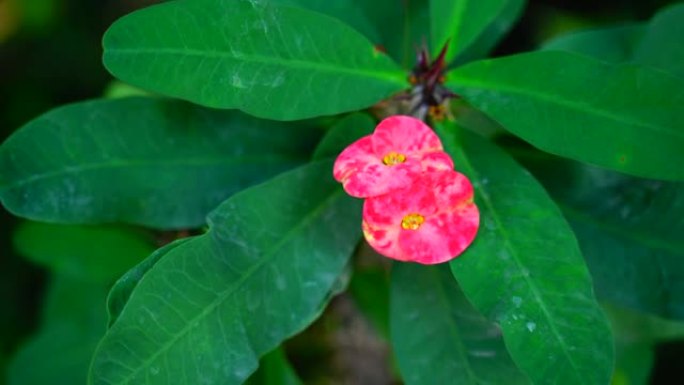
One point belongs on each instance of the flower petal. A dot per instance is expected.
(444, 199)
(405, 134)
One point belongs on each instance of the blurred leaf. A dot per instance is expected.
(403, 25)
(438, 337)
(626, 118)
(60, 352)
(153, 162)
(630, 231)
(89, 253)
(219, 301)
(611, 44)
(493, 32)
(462, 22)
(525, 272)
(369, 287)
(117, 90)
(274, 369)
(347, 11)
(122, 289)
(343, 133)
(272, 61)
(662, 45)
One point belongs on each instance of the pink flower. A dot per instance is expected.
(400, 149)
(429, 221)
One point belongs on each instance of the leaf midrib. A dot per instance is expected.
(268, 255)
(132, 163)
(514, 254)
(396, 77)
(581, 108)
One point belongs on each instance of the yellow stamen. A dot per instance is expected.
(412, 221)
(393, 158)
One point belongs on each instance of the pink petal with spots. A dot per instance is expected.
(444, 199)
(360, 167)
(363, 174)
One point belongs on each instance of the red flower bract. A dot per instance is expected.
(430, 221)
(400, 149)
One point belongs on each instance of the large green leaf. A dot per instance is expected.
(213, 305)
(622, 117)
(342, 134)
(273, 61)
(462, 22)
(611, 44)
(438, 337)
(122, 289)
(662, 45)
(153, 162)
(73, 322)
(525, 271)
(630, 231)
(89, 253)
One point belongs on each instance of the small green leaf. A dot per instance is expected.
(153, 162)
(274, 369)
(525, 272)
(463, 22)
(342, 134)
(73, 322)
(662, 46)
(438, 337)
(630, 231)
(624, 117)
(89, 253)
(611, 44)
(122, 289)
(213, 305)
(269, 60)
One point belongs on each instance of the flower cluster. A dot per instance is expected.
(417, 207)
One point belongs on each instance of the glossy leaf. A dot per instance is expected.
(121, 291)
(612, 44)
(60, 352)
(525, 272)
(213, 305)
(152, 162)
(272, 61)
(89, 253)
(462, 22)
(274, 370)
(662, 46)
(630, 231)
(438, 337)
(342, 134)
(369, 287)
(622, 117)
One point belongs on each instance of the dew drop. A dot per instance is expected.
(531, 326)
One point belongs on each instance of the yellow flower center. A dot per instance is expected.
(393, 158)
(412, 221)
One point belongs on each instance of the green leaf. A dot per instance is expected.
(630, 231)
(662, 46)
(494, 32)
(342, 134)
(274, 369)
(60, 352)
(612, 44)
(369, 287)
(463, 22)
(438, 337)
(121, 291)
(89, 253)
(153, 162)
(347, 11)
(272, 61)
(213, 305)
(525, 272)
(624, 117)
